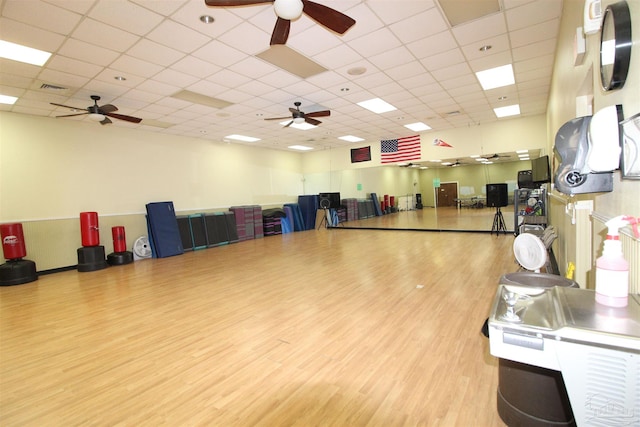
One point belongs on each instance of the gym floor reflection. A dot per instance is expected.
(438, 219)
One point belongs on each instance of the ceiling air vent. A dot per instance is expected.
(47, 86)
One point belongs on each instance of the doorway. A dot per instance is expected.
(446, 194)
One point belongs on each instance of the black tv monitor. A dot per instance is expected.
(540, 172)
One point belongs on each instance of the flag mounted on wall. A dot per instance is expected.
(400, 150)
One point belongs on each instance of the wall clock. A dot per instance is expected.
(615, 45)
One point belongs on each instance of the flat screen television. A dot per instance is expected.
(540, 172)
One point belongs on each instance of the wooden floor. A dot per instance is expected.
(329, 327)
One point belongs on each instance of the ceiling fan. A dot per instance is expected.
(298, 116)
(99, 113)
(288, 10)
(495, 157)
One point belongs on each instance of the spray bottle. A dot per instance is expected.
(612, 270)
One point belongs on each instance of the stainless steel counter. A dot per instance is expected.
(597, 348)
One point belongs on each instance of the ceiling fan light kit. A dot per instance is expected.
(98, 113)
(288, 9)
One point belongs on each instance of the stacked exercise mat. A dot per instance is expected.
(248, 221)
(271, 221)
(351, 205)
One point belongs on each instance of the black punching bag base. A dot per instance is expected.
(120, 258)
(17, 272)
(91, 258)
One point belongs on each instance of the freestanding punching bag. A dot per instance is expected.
(16, 270)
(120, 254)
(91, 254)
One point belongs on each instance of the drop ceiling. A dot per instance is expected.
(403, 51)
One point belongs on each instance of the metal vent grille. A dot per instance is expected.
(609, 389)
(47, 86)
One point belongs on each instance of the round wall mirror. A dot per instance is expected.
(615, 45)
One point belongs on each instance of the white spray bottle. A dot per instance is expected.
(612, 270)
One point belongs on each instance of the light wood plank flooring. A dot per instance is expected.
(324, 327)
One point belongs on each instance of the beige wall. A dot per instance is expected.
(55, 169)
(571, 85)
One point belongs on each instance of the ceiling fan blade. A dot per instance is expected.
(330, 18)
(106, 121)
(280, 32)
(72, 115)
(312, 121)
(67, 106)
(288, 124)
(324, 113)
(278, 118)
(123, 117)
(224, 3)
(108, 108)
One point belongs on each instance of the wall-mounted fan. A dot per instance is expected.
(99, 113)
(288, 10)
(298, 116)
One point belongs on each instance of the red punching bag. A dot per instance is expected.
(119, 239)
(89, 229)
(12, 241)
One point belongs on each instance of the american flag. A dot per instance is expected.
(400, 150)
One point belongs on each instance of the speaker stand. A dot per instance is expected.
(324, 219)
(498, 223)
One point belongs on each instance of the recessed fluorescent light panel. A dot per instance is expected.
(21, 53)
(6, 99)
(417, 127)
(509, 110)
(350, 138)
(496, 77)
(242, 138)
(301, 126)
(300, 147)
(377, 105)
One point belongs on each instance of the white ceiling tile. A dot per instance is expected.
(17, 32)
(73, 66)
(128, 65)
(433, 45)
(443, 60)
(392, 58)
(491, 61)
(163, 7)
(533, 13)
(497, 44)
(107, 36)
(41, 15)
(153, 52)
(405, 71)
(126, 15)
(219, 54)
(195, 67)
(252, 67)
(109, 75)
(534, 33)
(16, 68)
(533, 50)
(390, 11)
(175, 78)
(377, 42)
(60, 78)
(177, 36)
(83, 51)
(419, 26)
(484, 28)
(158, 87)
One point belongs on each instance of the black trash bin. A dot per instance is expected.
(531, 396)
